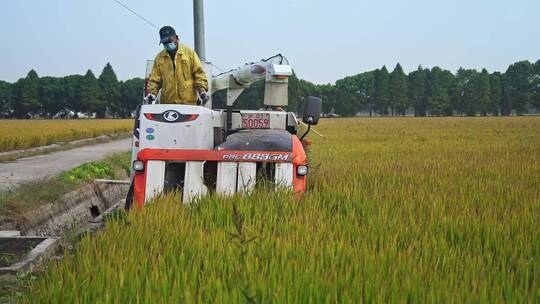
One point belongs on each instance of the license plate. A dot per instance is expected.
(256, 120)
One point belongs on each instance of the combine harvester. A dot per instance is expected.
(197, 149)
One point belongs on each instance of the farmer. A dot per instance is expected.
(177, 72)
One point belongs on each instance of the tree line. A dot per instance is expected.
(430, 92)
(423, 92)
(101, 97)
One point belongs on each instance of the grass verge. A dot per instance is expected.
(4, 157)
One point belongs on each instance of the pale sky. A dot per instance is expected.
(324, 40)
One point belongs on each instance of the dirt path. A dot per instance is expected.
(41, 166)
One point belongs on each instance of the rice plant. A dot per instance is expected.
(21, 134)
(399, 210)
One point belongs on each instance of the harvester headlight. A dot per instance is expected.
(138, 165)
(302, 170)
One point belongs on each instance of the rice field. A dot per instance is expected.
(443, 210)
(21, 134)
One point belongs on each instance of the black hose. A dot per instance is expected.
(308, 129)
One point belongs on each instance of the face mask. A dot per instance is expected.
(171, 46)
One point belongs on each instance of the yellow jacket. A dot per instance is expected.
(180, 84)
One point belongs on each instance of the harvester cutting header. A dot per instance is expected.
(196, 149)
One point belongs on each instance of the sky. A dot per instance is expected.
(323, 40)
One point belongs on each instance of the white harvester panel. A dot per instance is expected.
(193, 181)
(170, 126)
(284, 175)
(226, 178)
(155, 178)
(247, 173)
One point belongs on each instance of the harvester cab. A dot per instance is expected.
(197, 149)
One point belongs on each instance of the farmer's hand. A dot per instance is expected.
(204, 96)
(150, 98)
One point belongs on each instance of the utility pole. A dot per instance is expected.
(198, 25)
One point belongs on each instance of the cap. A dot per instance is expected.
(165, 33)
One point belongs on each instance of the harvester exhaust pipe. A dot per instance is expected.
(198, 24)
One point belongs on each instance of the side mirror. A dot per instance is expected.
(312, 110)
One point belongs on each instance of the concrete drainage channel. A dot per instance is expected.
(32, 239)
(20, 254)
